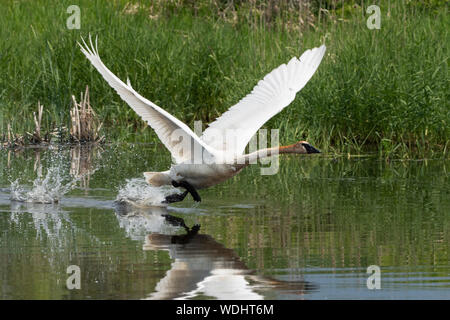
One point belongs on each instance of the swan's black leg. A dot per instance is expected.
(189, 188)
(177, 197)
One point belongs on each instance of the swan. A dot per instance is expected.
(201, 162)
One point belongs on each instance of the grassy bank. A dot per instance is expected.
(383, 90)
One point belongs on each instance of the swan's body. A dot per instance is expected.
(202, 162)
(202, 176)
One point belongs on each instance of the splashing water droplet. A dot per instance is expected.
(139, 193)
(48, 189)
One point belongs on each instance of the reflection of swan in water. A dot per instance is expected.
(202, 267)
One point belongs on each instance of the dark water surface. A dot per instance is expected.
(309, 232)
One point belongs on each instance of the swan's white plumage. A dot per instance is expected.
(271, 95)
(161, 121)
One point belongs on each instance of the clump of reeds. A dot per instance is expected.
(14, 140)
(36, 137)
(85, 125)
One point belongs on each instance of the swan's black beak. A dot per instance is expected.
(310, 149)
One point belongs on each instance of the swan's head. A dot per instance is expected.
(304, 147)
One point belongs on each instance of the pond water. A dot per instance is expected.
(308, 232)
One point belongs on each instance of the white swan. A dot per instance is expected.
(201, 162)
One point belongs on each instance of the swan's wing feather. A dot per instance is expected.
(169, 129)
(271, 95)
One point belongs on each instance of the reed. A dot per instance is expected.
(37, 136)
(85, 123)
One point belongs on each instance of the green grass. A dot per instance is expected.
(383, 90)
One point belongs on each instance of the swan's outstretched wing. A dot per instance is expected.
(271, 95)
(174, 134)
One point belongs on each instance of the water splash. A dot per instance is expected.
(48, 189)
(139, 193)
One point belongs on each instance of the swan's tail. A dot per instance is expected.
(157, 179)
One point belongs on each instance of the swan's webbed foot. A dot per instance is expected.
(189, 188)
(177, 197)
(190, 232)
(176, 221)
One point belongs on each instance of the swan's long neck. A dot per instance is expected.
(253, 157)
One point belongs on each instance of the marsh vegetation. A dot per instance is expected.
(383, 91)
